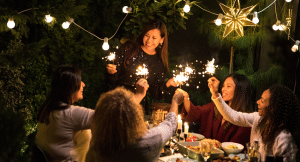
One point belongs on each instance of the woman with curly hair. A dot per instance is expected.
(119, 132)
(275, 126)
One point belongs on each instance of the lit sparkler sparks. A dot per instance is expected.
(143, 71)
(181, 78)
(111, 56)
(210, 67)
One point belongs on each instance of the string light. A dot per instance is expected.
(66, 24)
(105, 45)
(187, 7)
(255, 19)
(48, 18)
(127, 9)
(288, 0)
(296, 46)
(11, 24)
(218, 21)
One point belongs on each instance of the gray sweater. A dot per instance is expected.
(147, 149)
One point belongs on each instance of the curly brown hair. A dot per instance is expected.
(282, 113)
(118, 122)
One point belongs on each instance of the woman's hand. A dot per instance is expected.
(172, 82)
(141, 89)
(186, 100)
(213, 85)
(111, 68)
(178, 97)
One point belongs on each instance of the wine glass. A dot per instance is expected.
(205, 149)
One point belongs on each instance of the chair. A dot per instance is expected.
(38, 154)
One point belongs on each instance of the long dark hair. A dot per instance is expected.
(282, 113)
(65, 82)
(163, 50)
(242, 95)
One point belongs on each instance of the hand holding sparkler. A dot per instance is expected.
(143, 71)
(213, 85)
(172, 82)
(186, 101)
(111, 68)
(141, 89)
(181, 78)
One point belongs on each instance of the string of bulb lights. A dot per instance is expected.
(277, 26)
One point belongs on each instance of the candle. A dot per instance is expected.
(186, 128)
(179, 122)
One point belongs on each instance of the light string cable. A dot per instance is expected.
(205, 9)
(97, 36)
(27, 10)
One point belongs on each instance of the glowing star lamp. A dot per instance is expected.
(255, 19)
(296, 46)
(48, 18)
(187, 8)
(11, 24)
(105, 45)
(127, 9)
(66, 24)
(218, 22)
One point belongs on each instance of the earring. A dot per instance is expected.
(160, 44)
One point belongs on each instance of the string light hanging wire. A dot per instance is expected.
(11, 23)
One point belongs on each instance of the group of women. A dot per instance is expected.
(116, 131)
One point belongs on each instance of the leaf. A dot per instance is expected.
(170, 12)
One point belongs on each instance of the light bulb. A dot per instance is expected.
(187, 8)
(105, 45)
(66, 25)
(275, 27)
(48, 18)
(255, 19)
(219, 20)
(11, 24)
(281, 27)
(126, 9)
(288, 0)
(296, 46)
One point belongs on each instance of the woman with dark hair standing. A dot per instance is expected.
(63, 131)
(150, 49)
(275, 126)
(236, 91)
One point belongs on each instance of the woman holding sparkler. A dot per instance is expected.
(236, 92)
(150, 50)
(275, 126)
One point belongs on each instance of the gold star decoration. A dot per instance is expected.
(235, 18)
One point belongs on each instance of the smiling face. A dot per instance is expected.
(151, 40)
(228, 90)
(78, 95)
(263, 102)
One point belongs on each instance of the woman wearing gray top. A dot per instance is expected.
(119, 132)
(63, 131)
(275, 126)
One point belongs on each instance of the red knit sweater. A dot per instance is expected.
(211, 127)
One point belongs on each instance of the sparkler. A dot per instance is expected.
(181, 78)
(111, 56)
(142, 71)
(210, 67)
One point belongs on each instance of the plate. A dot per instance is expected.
(199, 136)
(183, 159)
(239, 148)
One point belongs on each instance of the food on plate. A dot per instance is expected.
(197, 149)
(191, 139)
(213, 142)
(225, 159)
(231, 146)
(180, 160)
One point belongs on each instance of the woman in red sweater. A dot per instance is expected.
(236, 91)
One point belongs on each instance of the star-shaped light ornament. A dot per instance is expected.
(235, 18)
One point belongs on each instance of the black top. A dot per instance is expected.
(128, 58)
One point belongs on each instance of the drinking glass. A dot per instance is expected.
(205, 149)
